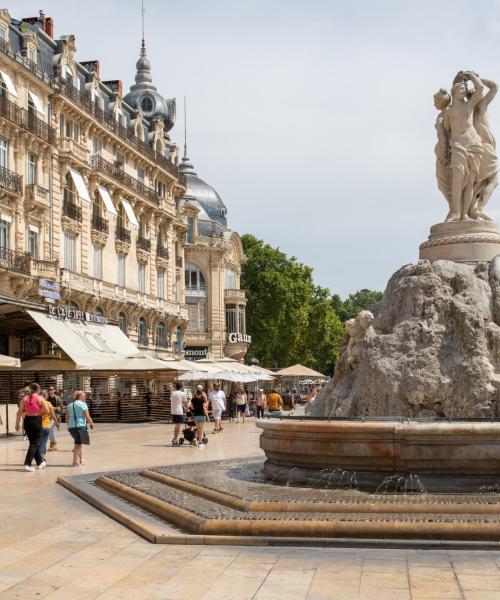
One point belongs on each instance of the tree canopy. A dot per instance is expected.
(290, 318)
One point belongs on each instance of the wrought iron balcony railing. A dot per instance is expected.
(72, 210)
(98, 163)
(100, 224)
(19, 262)
(122, 234)
(84, 100)
(144, 244)
(27, 120)
(11, 181)
(162, 252)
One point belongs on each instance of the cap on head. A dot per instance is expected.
(199, 387)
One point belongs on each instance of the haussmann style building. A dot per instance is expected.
(107, 246)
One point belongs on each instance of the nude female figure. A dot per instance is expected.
(465, 145)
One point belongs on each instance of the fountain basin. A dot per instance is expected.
(446, 456)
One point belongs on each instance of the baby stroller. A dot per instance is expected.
(189, 432)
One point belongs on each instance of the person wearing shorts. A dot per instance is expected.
(218, 400)
(241, 403)
(77, 417)
(199, 406)
(178, 402)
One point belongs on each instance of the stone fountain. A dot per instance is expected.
(428, 355)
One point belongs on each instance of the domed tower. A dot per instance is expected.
(144, 96)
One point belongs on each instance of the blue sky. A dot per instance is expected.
(313, 120)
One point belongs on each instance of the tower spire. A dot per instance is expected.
(143, 10)
(186, 166)
(185, 129)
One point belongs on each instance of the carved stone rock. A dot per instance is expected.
(433, 348)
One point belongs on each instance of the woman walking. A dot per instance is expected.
(261, 404)
(57, 405)
(199, 406)
(49, 418)
(241, 403)
(78, 416)
(30, 412)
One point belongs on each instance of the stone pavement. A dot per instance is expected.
(55, 546)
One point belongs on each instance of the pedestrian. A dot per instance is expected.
(274, 402)
(219, 404)
(30, 412)
(288, 400)
(241, 403)
(199, 406)
(24, 391)
(178, 403)
(77, 417)
(49, 417)
(261, 404)
(57, 405)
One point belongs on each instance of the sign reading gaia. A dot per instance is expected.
(236, 338)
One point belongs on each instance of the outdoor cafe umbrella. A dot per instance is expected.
(299, 371)
(135, 362)
(218, 376)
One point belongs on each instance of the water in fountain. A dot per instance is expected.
(401, 484)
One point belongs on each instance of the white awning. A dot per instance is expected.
(37, 102)
(9, 361)
(11, 88)
(130, 212)
(85, 342)
(81, 188)
(106, 198)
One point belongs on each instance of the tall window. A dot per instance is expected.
(31, 169)
(96, 146)
(120, 160)
(33, 241)
(32, 55)
(177, 290)
(190, 230)
(121, 258)
(140, 175)
(121, 221)
(160, 283)
(3, 34)
(160, 189)
(231, 318)
(197, 317)
(97, 261)
(142, 277)
(4, 153)
(161, 335)
(143, 332)
(70, 129)
(241, 320)
(69, 251)
(195, 282)
(122, 322)
(231, 280)
(4, 233)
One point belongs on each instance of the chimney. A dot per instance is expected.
(46, 23)
(92, 66)
(115, 85)
(48, 26)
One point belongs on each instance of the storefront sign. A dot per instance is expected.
(237, 338)
(48, 284)
(195, 352)
(49, 294)
(67, 312)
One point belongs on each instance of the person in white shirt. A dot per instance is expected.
(218, 400)
(178, 403)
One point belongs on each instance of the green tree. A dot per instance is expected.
(350, 307)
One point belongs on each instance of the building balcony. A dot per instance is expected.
(144, 244)
(122, 234)
(27, 120)
(84, 100)
(100, 224)
(18, 262)
(235, 296)
(11, 182)
(37, 195)
(68, 146)
(47, 269)
(116, 172)
(72, 211)
(162, 252)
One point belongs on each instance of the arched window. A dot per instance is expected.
(178, 340)
(70, 197)
(122, 322)
(143, 332)
(99, 312)
(71, 304)
(161, 335)
(97, 205)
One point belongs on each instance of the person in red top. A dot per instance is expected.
(31, 410)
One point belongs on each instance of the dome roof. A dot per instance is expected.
(143, 95)
(201, 193)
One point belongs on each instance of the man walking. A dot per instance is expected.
(218, 400)
(178, 403)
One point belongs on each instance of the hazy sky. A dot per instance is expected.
(312, 119)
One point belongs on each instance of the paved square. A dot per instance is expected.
(53, 545)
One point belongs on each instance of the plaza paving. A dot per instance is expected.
(53, 545)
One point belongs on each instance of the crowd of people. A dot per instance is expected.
(41, 413)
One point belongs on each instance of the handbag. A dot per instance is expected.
(84, 434)
(247, 410)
